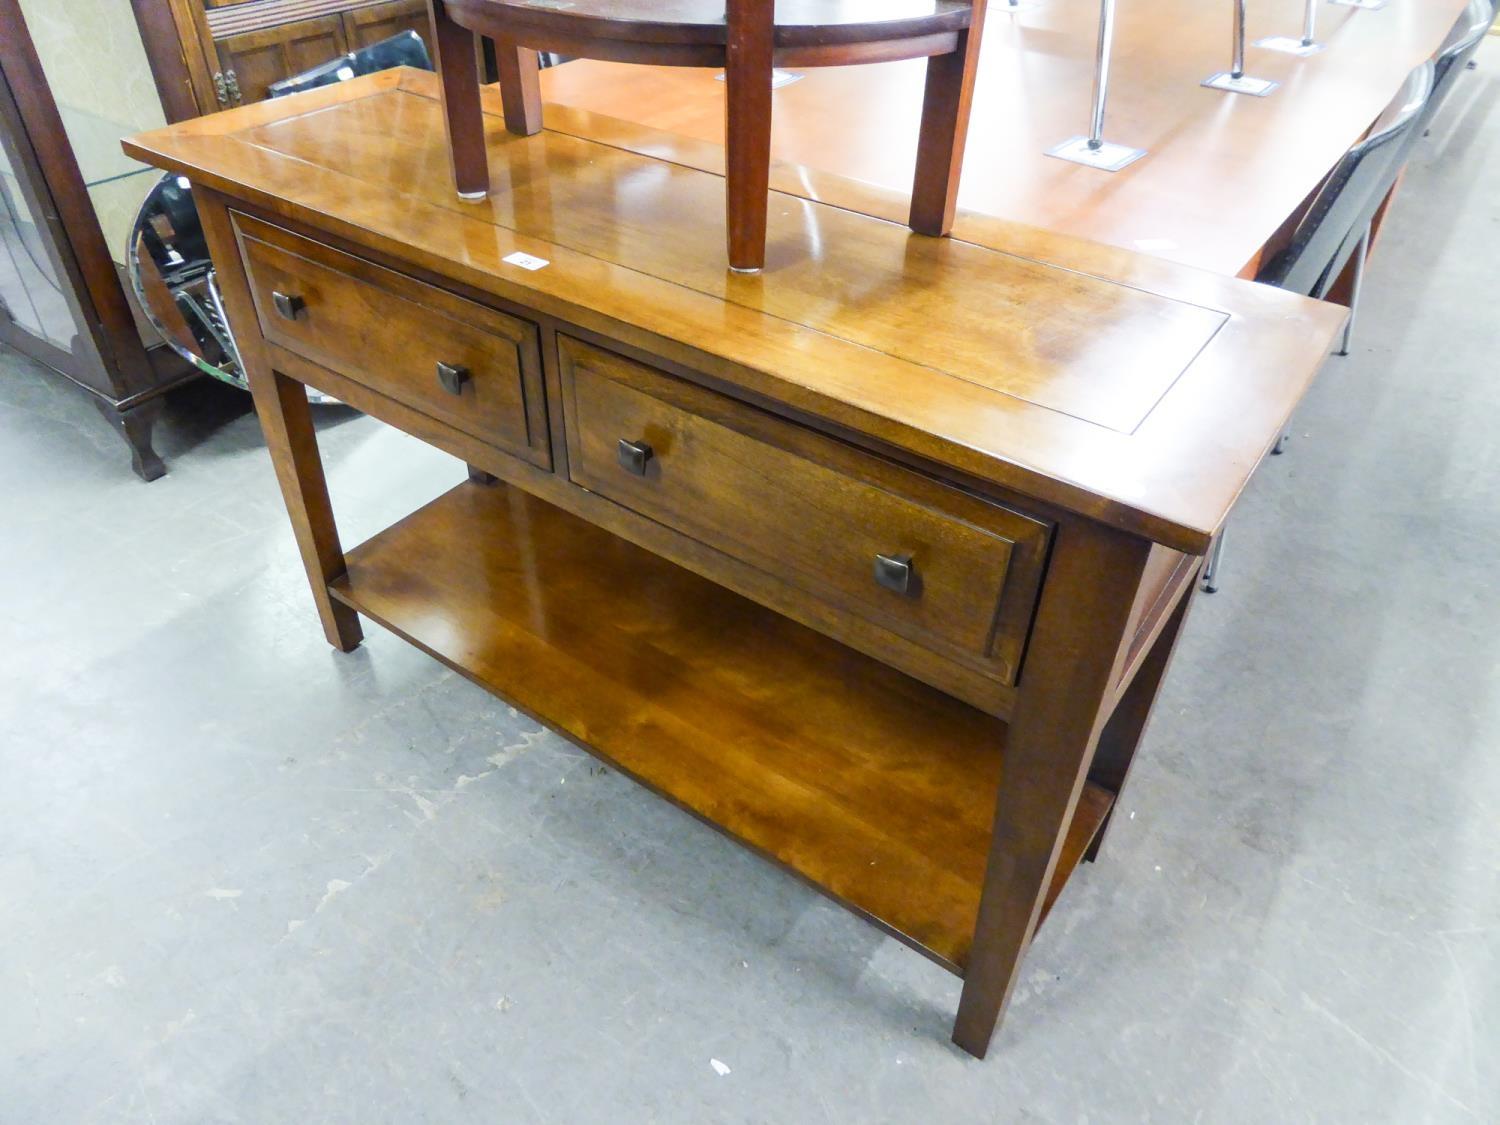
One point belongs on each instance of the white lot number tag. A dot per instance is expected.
(526, 261)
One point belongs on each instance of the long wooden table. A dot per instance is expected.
(1223, 174)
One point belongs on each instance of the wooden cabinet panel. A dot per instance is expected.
(363, 26)
(937, 566)
(259, 58)
(232, 50)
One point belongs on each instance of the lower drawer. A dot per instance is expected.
(926, 562)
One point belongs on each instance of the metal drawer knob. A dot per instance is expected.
(289, 306)
(453, 377)
(896, 573)
(634, 456)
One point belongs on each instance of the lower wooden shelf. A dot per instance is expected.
(873, 787)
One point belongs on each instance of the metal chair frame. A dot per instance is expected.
(1338, 222)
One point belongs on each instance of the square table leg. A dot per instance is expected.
(1067, 688)
(458, 70)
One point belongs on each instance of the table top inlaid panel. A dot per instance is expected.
(1092, 349)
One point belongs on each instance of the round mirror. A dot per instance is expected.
(176, 286)
(173, 279)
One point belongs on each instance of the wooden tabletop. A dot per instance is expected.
(1136, 392)
(1224, 171)
(704, 21)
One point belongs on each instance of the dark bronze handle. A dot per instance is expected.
(289, 306)
(896, 573)
(634, 456)
(453, 377)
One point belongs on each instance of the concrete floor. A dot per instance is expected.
(247, 879)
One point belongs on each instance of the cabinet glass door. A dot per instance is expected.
(38, 313)
(98, 75)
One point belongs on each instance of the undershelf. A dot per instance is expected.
(873, 787)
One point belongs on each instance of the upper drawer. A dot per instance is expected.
(462, 363)
(942, 568)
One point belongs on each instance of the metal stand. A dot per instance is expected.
(1235, 80)
(1210, 575)
(1354, 290)
(1093, 149)
(1307, 45)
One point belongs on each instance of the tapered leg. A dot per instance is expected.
(286, 421)
(1078, 642)
(945, 128)
(747, 129)
(1122, 734)
(134, 425)
(459, 71)
(520, 91)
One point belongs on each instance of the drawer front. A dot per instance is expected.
(460, 362)
(953, 573)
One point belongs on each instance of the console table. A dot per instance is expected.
(875, 560)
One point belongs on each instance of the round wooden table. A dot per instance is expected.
(696, 32)
(747, 38)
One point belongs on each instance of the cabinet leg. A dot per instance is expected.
(945, 129)
(520, 90)
(459, 73)
(1065, 690)
(747, 130)
(135, 425)
(479, 476)
(1123, 732)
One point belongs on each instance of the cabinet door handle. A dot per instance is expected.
(896, 573)
(453, 377)
(634, 456)
(289, 306)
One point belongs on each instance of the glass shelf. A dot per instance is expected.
(96, 145)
